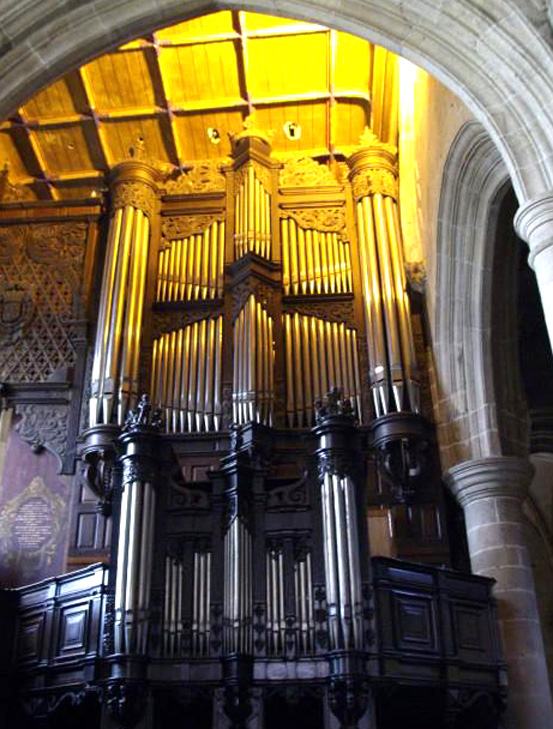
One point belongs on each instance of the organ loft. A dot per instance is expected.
(256, 531)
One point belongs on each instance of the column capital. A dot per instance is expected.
(534, 224)
(134, 182)
(500, 476)
(373, 167)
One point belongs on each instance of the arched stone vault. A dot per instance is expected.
(491, 53)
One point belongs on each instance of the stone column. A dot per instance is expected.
(534, 224)
(491, 492)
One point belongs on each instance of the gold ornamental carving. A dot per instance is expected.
(305, 172)
(184, 226)
(250, 129)
(374, 182)
(137, 194)
(263, 174)
(325, 220)
(204, 177)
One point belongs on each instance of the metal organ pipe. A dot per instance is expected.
(186, 376)
(319, 355)
(117, 346)
(252, 216)
(391, 352)
(237, 589)
(253, 383)
(192, 268)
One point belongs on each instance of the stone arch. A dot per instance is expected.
(476, 415)
(493, 57)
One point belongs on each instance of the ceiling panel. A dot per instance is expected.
(200, 72)
(170, 87)
(122, 81)
(193, 136)
(285, 65)
(121, 135)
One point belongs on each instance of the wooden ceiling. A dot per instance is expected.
(170, 88)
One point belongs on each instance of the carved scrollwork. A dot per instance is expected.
(405, 462)
(374, 181)
(326, 220)
(262, 173)
(44, 426)
(137, 194)
(339, 311)
(263, 292)
(203, 177)
(334, 463)
(285, 496)
(348, 699)
(97, 472)
(305, 172)
(169, 321)
(126, 702)
(183, 226)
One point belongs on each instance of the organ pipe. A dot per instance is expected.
(192, 268)
(252, 216)
(391, 353)
(115, 366)
(237, 589)
(186, 377)
(254, 357)
(303, 588)
(319, 355)
(276, 620)
(136, 534)
(314, 262)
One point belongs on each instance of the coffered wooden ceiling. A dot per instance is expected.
(173, 86)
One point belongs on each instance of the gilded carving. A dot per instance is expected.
(184, 226)
(204, 177)
(169, 321)
(30, 527)
(11, 192)
(262, 173)
(263, 292)
(43, 426)
(374, 181)
(250, 129)
(305, 172)
(41, 268)
(326, 220)
(338, 312)
(138, 194)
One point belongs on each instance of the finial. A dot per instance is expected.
(143, 416)
(333, 406)
(250, 129)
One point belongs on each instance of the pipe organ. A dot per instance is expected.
(314, 262)
(186, 376)
(192, 268)
(269, 319)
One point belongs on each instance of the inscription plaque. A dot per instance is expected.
(30, 526)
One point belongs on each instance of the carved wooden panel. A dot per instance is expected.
(41, 268)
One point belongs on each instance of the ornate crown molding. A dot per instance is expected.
(325, 220)
(203, 177)
(183, 226)
(305, 172)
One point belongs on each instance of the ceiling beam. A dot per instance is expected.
(103, 146)
(33, 153)
(158, 78)
(238, 19)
